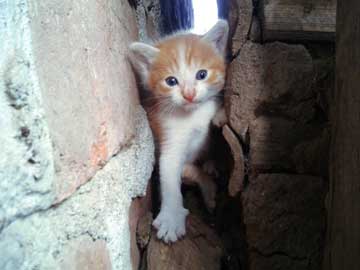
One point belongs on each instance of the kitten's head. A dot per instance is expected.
(186, 69)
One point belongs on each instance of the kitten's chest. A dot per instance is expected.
(193, 128)
(196, 122)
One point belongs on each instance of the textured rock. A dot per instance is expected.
(139, 210)
(236, 181)
(243, 23)
(148, 18)
(86, 253)
(313, 156)
(69, 113)
(284, 219)
(26, 160)
(68, 97)
(273, 141)
(270, 93)
(200, 250)
(274, 92)
(98, 211)
(264, 76)
(88, 88)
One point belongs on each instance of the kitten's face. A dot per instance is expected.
(185, 69)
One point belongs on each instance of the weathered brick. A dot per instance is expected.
(84, 253)
(88, 88)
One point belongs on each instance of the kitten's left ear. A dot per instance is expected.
(142, 57)
(218, 36)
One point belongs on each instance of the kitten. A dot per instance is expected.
(184, 74)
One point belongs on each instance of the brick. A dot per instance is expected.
(88, 88)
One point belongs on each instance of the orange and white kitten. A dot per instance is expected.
(184, 74)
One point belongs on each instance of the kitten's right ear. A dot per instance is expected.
(218, 36)
(143, 56)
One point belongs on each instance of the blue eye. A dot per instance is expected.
(171, 81)
(201, 74)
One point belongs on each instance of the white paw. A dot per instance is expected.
(170, 223)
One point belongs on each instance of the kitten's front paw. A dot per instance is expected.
(170, 223)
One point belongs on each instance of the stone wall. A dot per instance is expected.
(277, 100)
(76, 145)
(77, 148)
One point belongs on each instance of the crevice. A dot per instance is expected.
(277, 253)
(255, 32)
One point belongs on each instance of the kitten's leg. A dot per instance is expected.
(210, 168)
(220, 118)
(171, 220)
(206, 184)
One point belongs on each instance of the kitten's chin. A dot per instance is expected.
(190, 106)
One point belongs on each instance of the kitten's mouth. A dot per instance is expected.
(188, 106)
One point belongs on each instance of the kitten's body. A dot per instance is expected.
(180, 112)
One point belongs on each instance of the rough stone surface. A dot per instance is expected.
(26, 161)
(97, 213)
(236, 181)
(271, 94)
(243, 23)
(284, 219)
(139, 209)
(277, 102)
(200, 249)
(148, 20)
(80, 53)
(69, 113)
(265, 75)
(86, 253)
(313, 156)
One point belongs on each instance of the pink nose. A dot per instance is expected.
(189, 96)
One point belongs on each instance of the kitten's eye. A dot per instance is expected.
(201, 74)
(171, 81)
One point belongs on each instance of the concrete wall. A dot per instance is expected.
(76, 146)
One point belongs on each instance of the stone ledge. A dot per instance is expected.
(98, 210)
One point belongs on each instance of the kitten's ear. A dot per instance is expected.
(218, 36)
(142, 57)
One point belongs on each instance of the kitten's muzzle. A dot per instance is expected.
(189, 95)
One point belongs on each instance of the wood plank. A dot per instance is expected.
(298, 19)
(344, 195)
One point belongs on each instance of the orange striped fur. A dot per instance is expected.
(183, 74)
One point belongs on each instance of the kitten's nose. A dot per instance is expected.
(189, 96)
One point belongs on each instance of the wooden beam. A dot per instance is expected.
(343, 250)
(298, 19)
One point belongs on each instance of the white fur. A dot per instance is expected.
(144, 56)
(218, 35)
(185, 135)
(184, 128)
